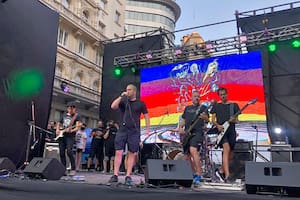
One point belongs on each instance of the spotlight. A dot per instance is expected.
(149, 56)
(65, 87)
(277, 130)
(178, 52)
(296, 43)
(272, 47)
(118, 71)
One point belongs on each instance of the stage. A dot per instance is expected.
(93, 185)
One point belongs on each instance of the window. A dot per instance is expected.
(117, 17)
(98, 58)
(78, 78)
(102, 4)
(66, 3)
(62, 37)
(85, 15)
(96, 85)
(81, 48)
(58, 71)
(58, 115)
(101, 27)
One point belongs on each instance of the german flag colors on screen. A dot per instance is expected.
(167, 89)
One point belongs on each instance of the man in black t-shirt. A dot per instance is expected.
(129, 133)
(109, 145)
(222, 112)
(97, 147)
(189, 116)
(70, 123)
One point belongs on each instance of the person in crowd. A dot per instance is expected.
(97, 147)
(80, 139)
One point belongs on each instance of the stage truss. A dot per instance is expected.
(231, 45)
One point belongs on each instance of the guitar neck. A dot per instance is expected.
(241, 110)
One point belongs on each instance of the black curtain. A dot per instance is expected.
(27, 46)
(112, 86)
(281, 75)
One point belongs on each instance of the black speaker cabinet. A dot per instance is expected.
(45, 168)
(237, 164)
(168, 172)
(7, 164)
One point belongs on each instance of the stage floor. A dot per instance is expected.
(93, 185)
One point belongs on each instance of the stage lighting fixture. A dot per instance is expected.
(277, 130)
(64, 86)
(272, 47)
(149, 56)
(296, 43)
(243, 38)
(178, 52)
(118, 71)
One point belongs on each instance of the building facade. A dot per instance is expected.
(148, 15)
(83, 25)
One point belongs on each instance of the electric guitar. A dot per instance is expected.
(189, 134)
(227, 123)
(62, 131)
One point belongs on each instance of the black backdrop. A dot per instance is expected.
(281, 75)
(112, 86)
(27, 41)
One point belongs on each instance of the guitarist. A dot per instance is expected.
(190, 150)
(221, 113)
(70, 122)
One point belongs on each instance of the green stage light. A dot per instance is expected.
(118, 71)
(133, 69)
(296, 43)
(272, 47)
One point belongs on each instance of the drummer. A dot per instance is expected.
(191, 149)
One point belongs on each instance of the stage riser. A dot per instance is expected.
(282, 174)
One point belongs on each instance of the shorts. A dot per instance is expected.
(131, 137)
(230, 138)
(195, 141)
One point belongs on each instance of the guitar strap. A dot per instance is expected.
(231, 111)
(73, 120)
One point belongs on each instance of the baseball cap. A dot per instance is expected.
(71, 104)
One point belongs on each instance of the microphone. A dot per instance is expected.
(33, 145)
(254, 126)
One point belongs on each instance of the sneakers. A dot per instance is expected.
(196, 180)
(128, 180)
(72, 173)
(221, 176)
(113, 179)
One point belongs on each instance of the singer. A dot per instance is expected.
(129, 133)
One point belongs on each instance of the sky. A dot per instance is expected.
(202, 12)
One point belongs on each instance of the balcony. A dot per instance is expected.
(77, 92)
(76, 20)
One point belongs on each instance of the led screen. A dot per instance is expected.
(167, 89)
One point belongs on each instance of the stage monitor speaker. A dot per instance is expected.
(7, 164)
(45, 168)
(237, 164)
(168, 172)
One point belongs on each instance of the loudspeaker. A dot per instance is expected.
(166, 172)
(45, 168)
(237, 164)
(6, 163)
(279, 153)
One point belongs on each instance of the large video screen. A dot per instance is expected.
(167, 90)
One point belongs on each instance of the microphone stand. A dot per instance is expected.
(256, 148)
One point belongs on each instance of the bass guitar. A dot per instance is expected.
(189, 134)
(227, 123)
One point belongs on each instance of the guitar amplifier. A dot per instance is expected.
(51, 150)
(243, 146)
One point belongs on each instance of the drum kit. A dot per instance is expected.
(171, 147)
